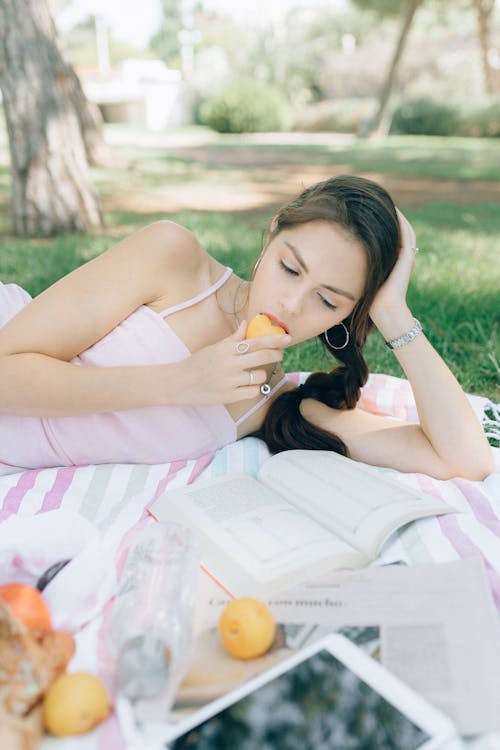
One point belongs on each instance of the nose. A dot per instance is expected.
(291, 303)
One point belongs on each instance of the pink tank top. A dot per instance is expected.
(149, 435)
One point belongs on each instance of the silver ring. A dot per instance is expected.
(250, 375)
(242, 347)
(265, 389)
(416, 250)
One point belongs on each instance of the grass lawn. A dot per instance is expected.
(226, 188)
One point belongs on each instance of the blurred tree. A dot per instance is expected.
(484, 12)
(291, 54)
(51, 126)
(166, 41)
(305, 44)
(407, 9)
(80, 45)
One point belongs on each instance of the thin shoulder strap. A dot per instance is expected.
(199, 297)
(261, 402)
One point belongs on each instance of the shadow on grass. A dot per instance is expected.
(442, 158)
(482, 218)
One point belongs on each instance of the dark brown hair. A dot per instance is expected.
(366, 211)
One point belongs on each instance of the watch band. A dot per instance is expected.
(405, 338)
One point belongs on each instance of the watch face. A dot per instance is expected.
(320, 703)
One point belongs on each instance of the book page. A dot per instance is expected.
(247, 530)
(358, 503)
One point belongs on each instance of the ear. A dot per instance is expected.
(274, 224)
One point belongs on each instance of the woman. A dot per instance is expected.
(140, 355)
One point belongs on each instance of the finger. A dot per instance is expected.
(406, 233)
(403, 221)
(255, 377)
(408, 236)
(240, 332)
(259, 359)
(276, 341)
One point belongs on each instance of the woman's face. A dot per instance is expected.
(309, 279)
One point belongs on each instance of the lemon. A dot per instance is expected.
(246, 628)
(75, 703)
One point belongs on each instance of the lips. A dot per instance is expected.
(276, 321)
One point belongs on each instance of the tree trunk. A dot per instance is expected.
(484, 10)
(51, 187)
(89, 119)
(380, 118)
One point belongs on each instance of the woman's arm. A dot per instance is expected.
(36, 346)
(391, 443)
(36, 377)
(448, 425)
(449, 439)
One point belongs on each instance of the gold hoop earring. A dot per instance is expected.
(346, 338)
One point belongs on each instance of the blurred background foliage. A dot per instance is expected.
(320, 67)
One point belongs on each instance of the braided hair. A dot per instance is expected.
(366, 211)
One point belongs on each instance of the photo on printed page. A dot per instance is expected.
(213, 672)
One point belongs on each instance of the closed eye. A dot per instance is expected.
(327, 304)
(293, 272)
(288, 269)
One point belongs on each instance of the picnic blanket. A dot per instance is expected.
(107, 505)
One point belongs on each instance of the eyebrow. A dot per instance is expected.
(301, 262)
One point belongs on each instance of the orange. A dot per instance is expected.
(27, 605)
(75, 703)
(262, 326)
(246, 628)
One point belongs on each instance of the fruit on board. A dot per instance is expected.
(260, 325)
(50, 573)
(27, 605)
(246, 628)
(75, 703)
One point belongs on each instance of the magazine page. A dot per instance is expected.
(439, 630)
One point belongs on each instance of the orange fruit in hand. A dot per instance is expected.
(75, 703)
(262, 326)
(27, 605)
(246, 628)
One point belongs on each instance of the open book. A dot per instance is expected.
(307, 513)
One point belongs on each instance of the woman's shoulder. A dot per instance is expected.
(166, 250)
(174, 243)
(181, 264)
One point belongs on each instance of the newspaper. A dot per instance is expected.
(437, 625)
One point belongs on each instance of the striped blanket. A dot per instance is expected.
(115, 498)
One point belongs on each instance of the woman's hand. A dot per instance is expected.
(229, 371)
(392, 294)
